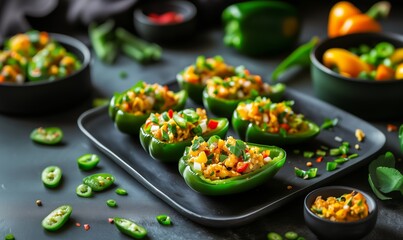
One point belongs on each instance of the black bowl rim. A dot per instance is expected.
(190, 7)
(316, 192)
(323, 68)
(64, 40)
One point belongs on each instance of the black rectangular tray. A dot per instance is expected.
(165, 181)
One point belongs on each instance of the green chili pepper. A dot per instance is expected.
(57, 218)
(99, 181)
(225, 107)
(195, 179)
(84, 190)
(340, 160)
(51, 176)
(88, 161)
(111, 203)
(331, 166)
(121, 191)
(164, 219)
(130, 228)
(172, 152)
(299, 57)
(274, 236)
(246, 26)
(102, 41)
(47, 136)
(130, 123)
(310, 173)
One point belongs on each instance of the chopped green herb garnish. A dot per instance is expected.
(330, 166)
(308, 154)
(329, 123)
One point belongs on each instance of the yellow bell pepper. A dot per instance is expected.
(347, 63)
(399, 72)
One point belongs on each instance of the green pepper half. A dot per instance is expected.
(225, 107)
(129, 123)
(130, 228)
(194, 90)
(57, 218)
(250, 132)
(199, 183)
(172, 152)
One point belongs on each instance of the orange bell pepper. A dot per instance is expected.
(384, 73)
(348, 64)
(345, 18)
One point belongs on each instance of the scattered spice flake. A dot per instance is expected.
(319, 159)
(391, 128)
(309, 164)
(289, 187)
(110, 220)
(359, 134)
(38, 203)
(338, 139)
(78, 224)
(357, 146)
(86, 227)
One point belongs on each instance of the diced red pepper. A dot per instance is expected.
(319, 159)
(170, 113)
(285, 126)
(166, 18)
(212, 124)
(391, 128)
(241, 167)
(86, 227)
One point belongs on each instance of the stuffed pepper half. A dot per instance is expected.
(193, 78)
(222, 95)
(221, 167)
(166, 135)
(130, 109)
(262, 121)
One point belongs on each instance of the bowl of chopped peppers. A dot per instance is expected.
(361, 73)
(340, 212)
(43, 72)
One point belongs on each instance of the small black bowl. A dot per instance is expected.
(329, 230)
(34, 98)
(169, 32)
(374, 100)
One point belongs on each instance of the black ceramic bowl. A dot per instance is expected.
(326, 229)
(169, 32)
(375, 100)
(41, 97)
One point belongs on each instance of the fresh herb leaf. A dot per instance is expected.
(198, 130)
(389, 179)
(387, 160)
(223, 157)
(375, 190)
(329, 123)
(165, 135)
(196, 143)
(283, 132)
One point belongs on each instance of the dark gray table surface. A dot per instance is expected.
(21, 160)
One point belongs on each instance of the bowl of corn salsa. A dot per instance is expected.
(43, 72)
(340, 212)
(361, 73)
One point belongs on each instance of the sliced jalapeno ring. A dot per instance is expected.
(47, 136)
(121, 191)
(99, 181)
(57, 218)
(51, 176)
(84, 190)
(164, 219)
(88, 161)
(111, 203)
(130, 228)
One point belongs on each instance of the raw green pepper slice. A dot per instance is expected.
(51, 176)
(164, 219)
(130, 123)
(246, 26)
(195, 179)
(130, 228)
(47, 136)
(84, 190)
(99, 181)
(57, 218)
(225, 107)
(88, 161)
(172, 152)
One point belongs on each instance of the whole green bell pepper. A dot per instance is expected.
(198, 182)
(225, 107)
(130, 123)
(251, 132)
(172, 151)
(261, 27)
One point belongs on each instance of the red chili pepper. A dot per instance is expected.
(165, 18)
(319, 159)
(285, 126)
(212, 124)
(241, 167)
(170, 113)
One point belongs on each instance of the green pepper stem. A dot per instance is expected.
(299, 57)
(379, 10)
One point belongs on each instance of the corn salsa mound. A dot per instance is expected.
(147, 98)
(29, 43)
(12, 67)
(346, 208)
(220, 159)
(272, 117)
(205, 68)
(243, 85)
(172, 127)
